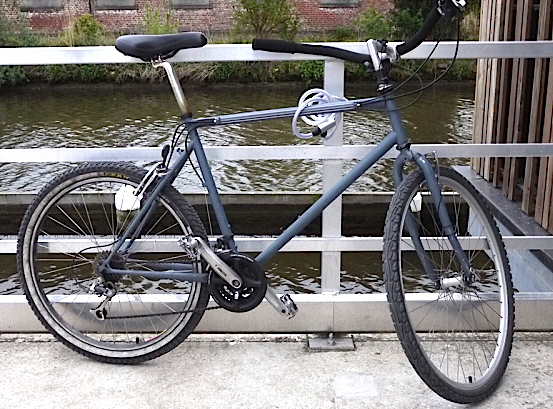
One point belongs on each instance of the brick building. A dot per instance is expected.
(202, 15)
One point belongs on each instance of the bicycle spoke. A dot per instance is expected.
(458, 322)
(104, 313)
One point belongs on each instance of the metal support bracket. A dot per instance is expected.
(329, 343)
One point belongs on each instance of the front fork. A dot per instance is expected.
(449, 230)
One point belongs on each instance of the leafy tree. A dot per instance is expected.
(267, 18)
(373, 24)
(408, 16)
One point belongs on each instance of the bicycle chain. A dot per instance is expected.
(160, 314)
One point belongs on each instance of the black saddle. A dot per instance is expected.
(155, 47)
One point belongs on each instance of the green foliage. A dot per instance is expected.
(463, 70)
(344, 33)
(12, 75)
(266, 18)
(84, 31)
(88, 30)
(14, 32)
(262, 19)
(408, 16)
(406, 22)
(312, 71)
(157, 21)
(76, 73)
(372, 24)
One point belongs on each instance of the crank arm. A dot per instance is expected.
(204, 251)
(283, 305)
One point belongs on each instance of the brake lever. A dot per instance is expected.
(446, 10)
(460, 4)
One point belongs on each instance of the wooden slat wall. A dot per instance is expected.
(516, 130)
(514, 104)
(538, 113)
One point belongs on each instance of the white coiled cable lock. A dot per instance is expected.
(322, 124)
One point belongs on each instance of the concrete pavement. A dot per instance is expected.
(250, 372)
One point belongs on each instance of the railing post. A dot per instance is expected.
(332, 172)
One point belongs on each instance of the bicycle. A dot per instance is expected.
(117, 265)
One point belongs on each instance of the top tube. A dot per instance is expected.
(376, 104)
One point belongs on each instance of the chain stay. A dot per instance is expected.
(121, 317)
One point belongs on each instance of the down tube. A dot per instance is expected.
(316, 209)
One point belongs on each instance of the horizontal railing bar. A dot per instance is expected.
(318, 313)
(217, 153)
(244, 52)
(8, 244)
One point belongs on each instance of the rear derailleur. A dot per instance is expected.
(105, 289)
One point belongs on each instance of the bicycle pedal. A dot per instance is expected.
(290, 305)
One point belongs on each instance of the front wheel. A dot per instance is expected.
(456, 333)
(68, 232)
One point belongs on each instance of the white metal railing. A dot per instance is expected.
(244, 52)
(332, 153)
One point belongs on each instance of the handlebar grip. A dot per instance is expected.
(277, 46)
(431, 20)
(283, 46)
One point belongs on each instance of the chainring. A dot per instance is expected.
(252, 291)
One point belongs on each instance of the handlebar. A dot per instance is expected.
(443, 8)
(431, 20)
(291, 47)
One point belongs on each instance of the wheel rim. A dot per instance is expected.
(75, 221)
(463, 331)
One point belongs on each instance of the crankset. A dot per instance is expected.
(252, 291)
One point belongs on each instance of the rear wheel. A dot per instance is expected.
(456, 334)
(66, 234)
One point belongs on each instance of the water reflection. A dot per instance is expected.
(142, 115)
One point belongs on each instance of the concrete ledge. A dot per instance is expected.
(366, 313)
(509, 213)
(532, 266)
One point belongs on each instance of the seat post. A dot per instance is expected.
(175, 85)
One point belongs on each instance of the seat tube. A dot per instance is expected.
(214, 197)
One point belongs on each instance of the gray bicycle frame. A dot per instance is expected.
(397, 137)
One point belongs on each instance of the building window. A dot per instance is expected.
(339, 3)
(115, 5)
(41, 5)
(190, 4)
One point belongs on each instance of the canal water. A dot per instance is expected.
(145, 115)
